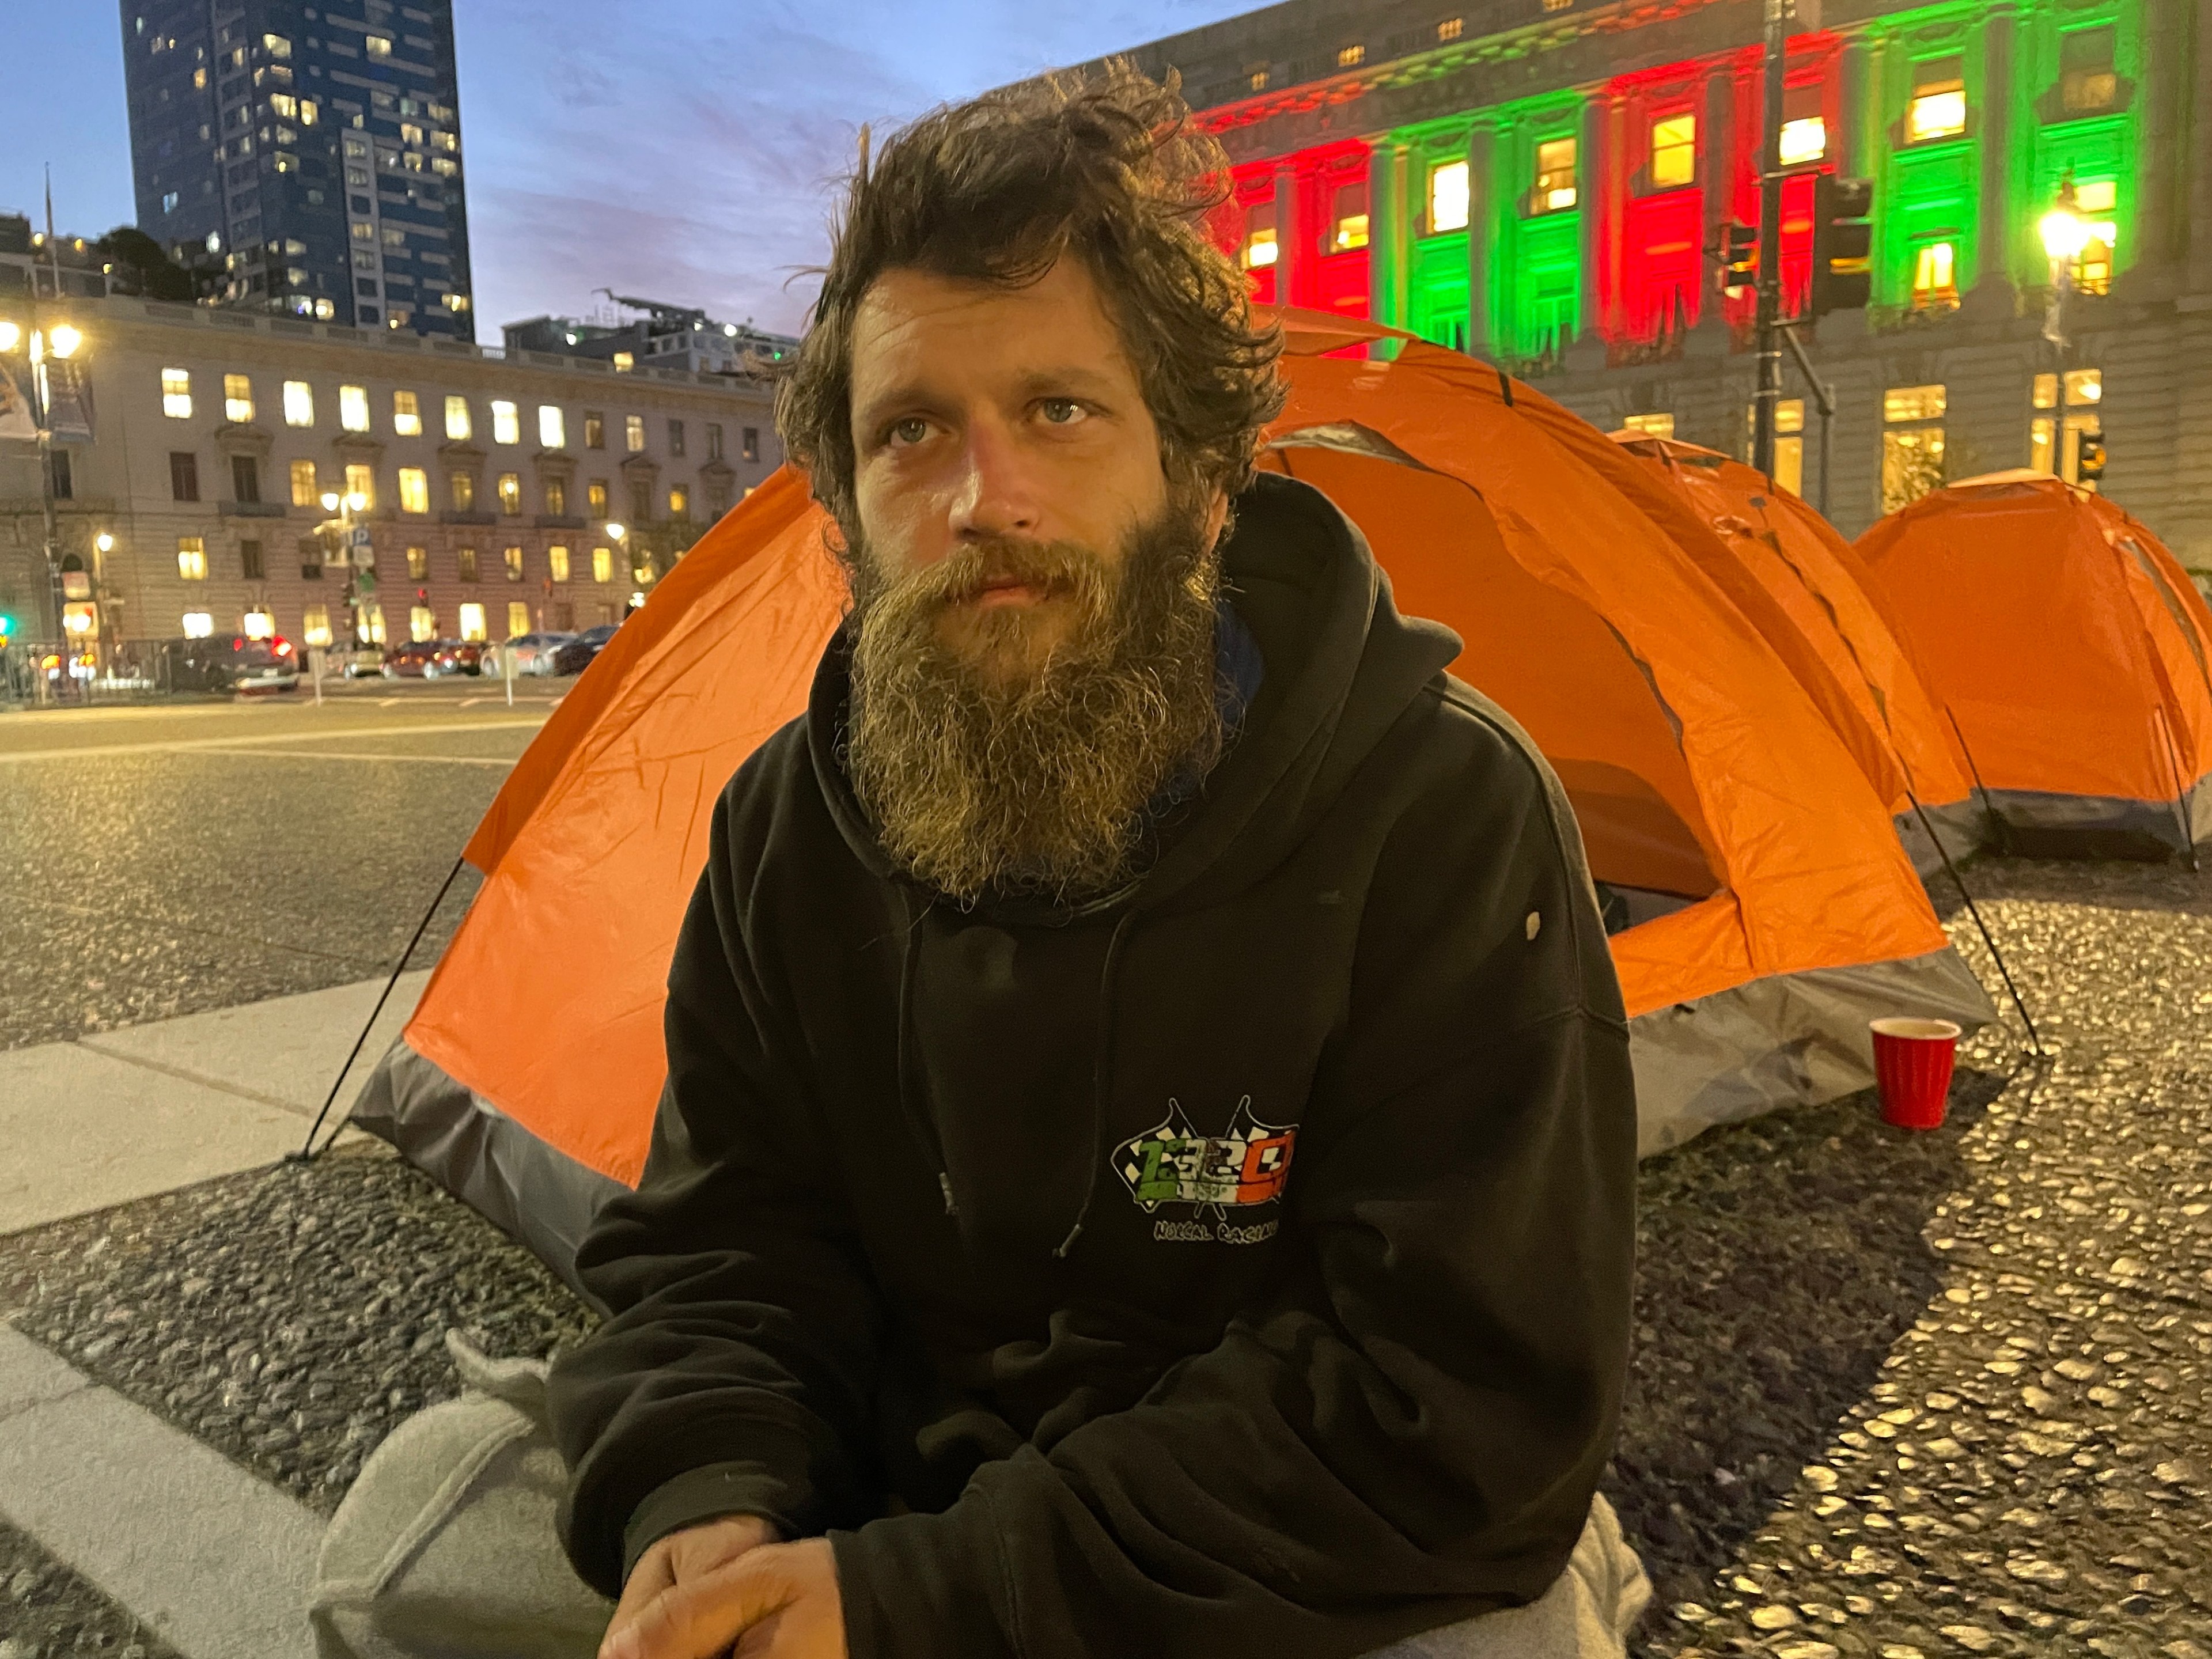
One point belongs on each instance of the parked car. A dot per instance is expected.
(412, 661)
(533, 652)
(361, 662)
(456, 657)
(231, 662)
(574, 655)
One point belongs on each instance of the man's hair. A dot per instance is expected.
(1108, 169)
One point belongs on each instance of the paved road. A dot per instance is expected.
(165, 860)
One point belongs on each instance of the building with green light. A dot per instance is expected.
(1543, 183)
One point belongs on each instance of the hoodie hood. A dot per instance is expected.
(1342, 664)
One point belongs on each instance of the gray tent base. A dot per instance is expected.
(2036, 824)
(1789, 1040)
(1964, 826)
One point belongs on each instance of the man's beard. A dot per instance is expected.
(985, 769)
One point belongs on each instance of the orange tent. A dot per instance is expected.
(1763, 908)
(1819, 589)
(2072, 648)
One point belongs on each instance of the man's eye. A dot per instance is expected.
(911, 430)
(1061, 411)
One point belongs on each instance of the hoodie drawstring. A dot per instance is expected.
(917, 1118)
(1102, 1071)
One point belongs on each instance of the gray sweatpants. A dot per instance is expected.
(445, 1549)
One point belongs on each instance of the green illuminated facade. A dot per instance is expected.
(1544, 181)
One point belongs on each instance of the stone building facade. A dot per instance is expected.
(1542, 183)
(492, 481)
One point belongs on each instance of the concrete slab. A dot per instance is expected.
(216, 1562)
(81, 1130)
(283, 1051)
(32, 1373)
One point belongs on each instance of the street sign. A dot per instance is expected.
(358, 535)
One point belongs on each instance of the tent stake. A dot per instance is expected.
(1974, 910)
(306, 1152)
(2181, 794)
(1988, 806)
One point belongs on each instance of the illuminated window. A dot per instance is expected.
(1348, 217)
(1555, 175)
(464, 560)
(2088, 83)
(595, 498)
(2092, 267)
(414, 489)
(1935, 276)
(633, 433)
(237, 398)
(1257, 80)
(284, 104)
(602, 564)
(472, 621)
(362, 481)
(1351, 57)
(556, 560)
(377, 46)
(1651, 426)
(198, 625)
(510, 492)
(513, 558)
(1447, 197)
(177, 394)
(315, 624)
(1938, 100)
(679, 503)
(595, 429)
(422, 623)
(406, 415)
(1260, 249)
(277, 45)
(457, 418)
(372, 622)
(1788, 441)
(463, 486)
(624, 362)
(506, 422)
(552, 430)
(418, 564)
(556, 497)
(2054, 441)
(305, 490)
(1913, 456)
(1673, 151)
(1803, 140)
(1451, 28)
(353, 408)
(191, 558)
(299, 403)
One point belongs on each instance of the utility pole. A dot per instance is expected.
(1769, 395)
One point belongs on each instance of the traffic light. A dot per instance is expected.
(2090, 462)
(1842, 244)
(1739, 251)
(7, 629)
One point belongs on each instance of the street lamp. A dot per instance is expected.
(361, 582)
(39, 344)
(2065, 234)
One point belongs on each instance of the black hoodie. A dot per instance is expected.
(1236, 1266)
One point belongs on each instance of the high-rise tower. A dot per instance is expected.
(317, 147)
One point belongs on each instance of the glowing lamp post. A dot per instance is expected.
(2065, 234)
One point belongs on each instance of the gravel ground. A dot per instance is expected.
(1894, 1394)
(48, 1611)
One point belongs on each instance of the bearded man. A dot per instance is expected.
(1146, 1161)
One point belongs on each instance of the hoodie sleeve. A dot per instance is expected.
(1410, 1431)
(732, 1375)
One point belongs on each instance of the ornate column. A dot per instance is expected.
(2200, 165)
(1717, 164)
(1293, 259)
(1389, 244)
(1594, 168)
(2165, 176)
(1994, 244)
(1847, 145)
(1485, 193)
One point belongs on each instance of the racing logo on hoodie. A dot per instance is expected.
(1172, 1164)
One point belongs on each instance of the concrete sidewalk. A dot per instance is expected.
(149, 1108)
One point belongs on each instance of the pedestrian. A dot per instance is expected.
(1146, 1166)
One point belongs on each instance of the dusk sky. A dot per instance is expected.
(678, 148)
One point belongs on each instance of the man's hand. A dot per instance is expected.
(774, 1601)
(680, 1558)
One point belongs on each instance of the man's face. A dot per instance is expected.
(1033, 616)
(1003, 434)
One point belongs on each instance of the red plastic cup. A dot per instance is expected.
(1912, 1062)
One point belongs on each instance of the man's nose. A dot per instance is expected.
(997, 494)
